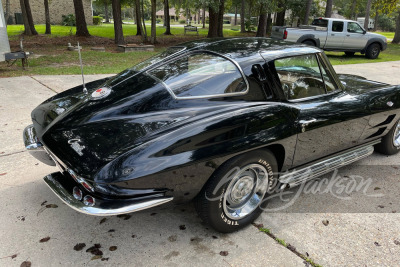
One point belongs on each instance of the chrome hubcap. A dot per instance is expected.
(245, 191)
(396, 135)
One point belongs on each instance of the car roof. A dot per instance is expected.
(239, 48)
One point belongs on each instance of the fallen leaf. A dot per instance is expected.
(394, 167)
(381, 206)
(182, 227)
(215, 237)
(224, 253)
(259, 225)
(26, 264)
(79, 246)
(45, 239)
(97, 245)
(133, 236)
(124, 216)
(103, 220)
(396, 242)
(111, 230)
(1, 174)
(377, 188)
(105, 259)
(291, 248)
(377, 244)
(95, 251)
(15, 255)
(325, 222)
(43, 203)
(51, 206)
(96, 257)
(153, 214)
(113, 248)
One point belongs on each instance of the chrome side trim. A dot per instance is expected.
(105, 208)
(296, 177)
(35, 147)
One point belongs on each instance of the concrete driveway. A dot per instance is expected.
(363, 229)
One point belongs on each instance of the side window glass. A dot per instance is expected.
(201, 74)
(354, 27)
(337, 26)
(300, 76)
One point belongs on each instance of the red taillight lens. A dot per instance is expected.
(285, 34)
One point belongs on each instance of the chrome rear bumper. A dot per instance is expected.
(35, 148)
(102, 207)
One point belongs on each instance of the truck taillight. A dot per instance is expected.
(285, 34)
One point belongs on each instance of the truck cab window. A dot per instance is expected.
(337, 26)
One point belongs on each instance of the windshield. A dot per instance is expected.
(167, 53)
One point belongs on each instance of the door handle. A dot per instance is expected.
(348, 35)
(332, 34)
(305, 123)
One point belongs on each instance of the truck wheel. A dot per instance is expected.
(390, 144)
(373, 51)
(234, 195)
(309, 42)
(349, 54)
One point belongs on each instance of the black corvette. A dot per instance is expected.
(221, 121)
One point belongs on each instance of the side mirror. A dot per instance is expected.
(364, 31)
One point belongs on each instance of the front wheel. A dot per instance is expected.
(234, 195)
(390, 144)
(373, 51)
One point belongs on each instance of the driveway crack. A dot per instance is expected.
(307, 261)
(13, 153)
(43, 84)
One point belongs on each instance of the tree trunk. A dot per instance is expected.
(221, 18)
(280, 18)
(118, 31)
(353, 10)
(144, 35)
(107, 17)
(307, 13)
(269, 24)
(376, 19)
(367, 11)
(81, 27)
(328, 10)
(8, 15)
(47, 15)
(204, 18)
(235, 22)
(153, 22)
(25, 18)
(262, 23)
(139, 30)
(167, 19)
(30, 18)
(396, 39)
(242, 9)
(213, 23)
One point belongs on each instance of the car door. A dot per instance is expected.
(355, 37)
(336, 34)
(329, 120)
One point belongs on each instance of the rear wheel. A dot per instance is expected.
(349, 54)
(234, 195)
(373, 51)
(390, 144)
(309, 42)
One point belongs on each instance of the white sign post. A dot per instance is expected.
(4, 43)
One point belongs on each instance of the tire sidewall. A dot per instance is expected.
(217, 216)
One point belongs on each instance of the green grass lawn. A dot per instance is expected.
(52, 58)
(389, 35)
(107, 30)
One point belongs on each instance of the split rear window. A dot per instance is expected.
(201, 74)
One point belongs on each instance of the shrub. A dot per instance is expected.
(158, 20)
(97, 20)
(68, 20)
(182, 21)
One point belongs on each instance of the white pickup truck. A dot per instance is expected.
(332, 34)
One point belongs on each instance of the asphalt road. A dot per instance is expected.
(357, 228)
